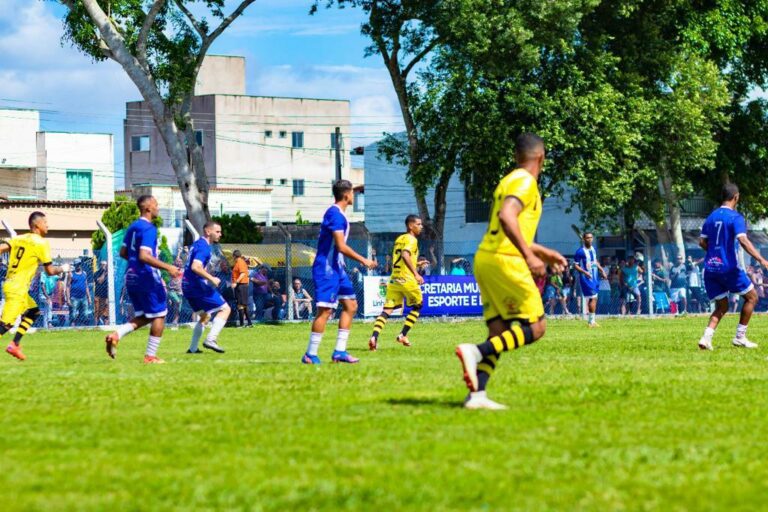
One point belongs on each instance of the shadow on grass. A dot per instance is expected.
(425, 402)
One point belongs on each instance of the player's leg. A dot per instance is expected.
(378, 326)
(592, 309)
(348, 312)
(17, 305)
(217, 325)
(197, 332)
(415, 301)
(156, 328)
(716, 291)
(27, 319)
(742, 286)
(326, 289)
(139, 301)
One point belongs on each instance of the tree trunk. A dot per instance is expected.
(441, 193)
(673, 205)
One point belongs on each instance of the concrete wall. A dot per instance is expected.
(18, 182)
(83, 151)
(221, 75)
(17, 137)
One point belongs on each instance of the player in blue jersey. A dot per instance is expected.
(586, 264)
(332, 285)
(201, 290)
(722, 234)
(143, 282)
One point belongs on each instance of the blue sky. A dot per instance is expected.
(288, 52)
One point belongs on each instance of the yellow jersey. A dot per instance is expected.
(400, 271)
(522, 185)
(26, 253)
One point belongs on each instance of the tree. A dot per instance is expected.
(239, 229)
(120, 214)
(160, 45)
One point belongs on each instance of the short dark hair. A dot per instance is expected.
(587, 233)
(728, 191)
(340, 188)
(527, 146)
(142, 200)
(33, 218)
(409, 219)
(236, 253)
(210, 224)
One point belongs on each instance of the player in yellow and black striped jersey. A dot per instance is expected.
(25, 253)
(403, 284)
(506, 263)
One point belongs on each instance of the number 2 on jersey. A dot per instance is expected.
(399, 258)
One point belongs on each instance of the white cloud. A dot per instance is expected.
(247, 27)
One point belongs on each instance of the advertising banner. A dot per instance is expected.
(443, 296)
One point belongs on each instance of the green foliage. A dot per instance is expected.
(300, 219)
(239, 229)
(120, 214)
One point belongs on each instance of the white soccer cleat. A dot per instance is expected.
(705, 344)
(212, 345)
(479, 400)
(470, 356)
(743, 342)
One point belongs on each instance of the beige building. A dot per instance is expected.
(283, 145)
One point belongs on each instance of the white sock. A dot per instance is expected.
(477, 394)
(216, 326)
(741, 331)
(197, 332)
(152, 344)
(591, 318)
(124, 329)
(314, 343)
(341, 340)
(708, 333)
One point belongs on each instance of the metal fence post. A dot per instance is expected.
(648, 271)
(110, 274)
(8, 228)
(288, 269)
(191, 228)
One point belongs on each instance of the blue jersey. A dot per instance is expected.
(193, 284)
(142, 234)
(721, 230)
(328, 257)
(587, 259)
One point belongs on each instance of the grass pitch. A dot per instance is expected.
(628, 417)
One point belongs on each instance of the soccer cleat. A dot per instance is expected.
(15, 351)
(593, 325)
(469, 355)
(743, 343)
(198, 351)
(308, 359)
(212, 345)
(403, 340)
(373, 344)
(477, 401)
(343, 357)
(705, 344)
(112, 340)
(153, 360)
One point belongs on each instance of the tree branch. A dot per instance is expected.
(192, 20)
(423, 53)
(229, 19)
(141, 43)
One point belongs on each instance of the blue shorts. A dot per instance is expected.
(332, 286)
(210, 302)
(589, 289)
(718, 286)
(148, 298)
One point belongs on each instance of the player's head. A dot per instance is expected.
(148, 205)
(237, 254)
(588, 238)
(413, 224)
(212, 231)
(729, 193)
(343, 191)
(38, 223)
(529, 149)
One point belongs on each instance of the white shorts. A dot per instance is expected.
(679, 294)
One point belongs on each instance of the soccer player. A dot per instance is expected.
(143, 282)
(332, 285)
(722, 272)
(506, 263)
(586, 264)
(26, 252)
(201, 290)
(403, 284)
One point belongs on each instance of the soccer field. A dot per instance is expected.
(629, 417)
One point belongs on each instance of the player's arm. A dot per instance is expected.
(197, 268)
(124, 252)
(746, 243)
(341, 245)
(508, 218)
(406, 255)
(4, 247)
(580, 269)
(551, 257)
(145, 256)
(602, 270)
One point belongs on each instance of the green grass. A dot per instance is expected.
(630, 417)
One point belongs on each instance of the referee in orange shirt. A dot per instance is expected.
(240, 284)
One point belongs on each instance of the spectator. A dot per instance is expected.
(630, 284)
(47, 289)
(604, 290)
(302, 300)
(260, 280)
(78, 295)
(101, 295)
(175, 293)
(659, 286)
(566, 292)
(274, 303)
(126, 308)
(759, 281)
(457, 267)
(387, 265)
(615, 280)
(240, 285)
(678, 276)
(697, 298)
(423, 266)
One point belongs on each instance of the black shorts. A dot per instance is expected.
(241, 294)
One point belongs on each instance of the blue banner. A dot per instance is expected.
(451, 296)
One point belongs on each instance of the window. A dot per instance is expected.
(140, 143)
(476, 209)
(298, 187)
(359, 205)
(267, 134)
(268, 181)
(283, 134)
(199, 137)
(283, 181)
(79, 184)
(297, 139)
